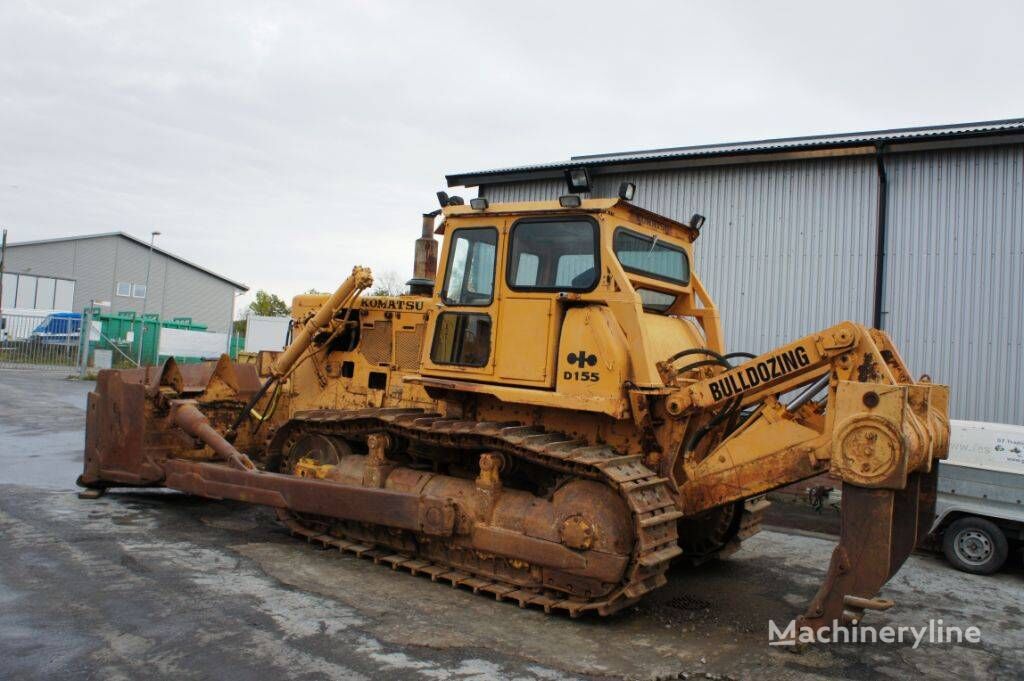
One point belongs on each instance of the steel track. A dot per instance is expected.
(647, 496)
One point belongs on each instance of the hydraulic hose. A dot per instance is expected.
(357, 282)
(232, 432)
(732, 409)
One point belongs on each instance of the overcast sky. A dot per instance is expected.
(280, 143)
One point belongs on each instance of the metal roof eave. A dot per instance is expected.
(145, 244)
(1009, 131)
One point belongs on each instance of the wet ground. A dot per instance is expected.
(155, 584)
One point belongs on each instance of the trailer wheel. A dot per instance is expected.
(975, 545)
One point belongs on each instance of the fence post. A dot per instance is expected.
(84, 336)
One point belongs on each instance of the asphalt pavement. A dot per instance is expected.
(155, 584)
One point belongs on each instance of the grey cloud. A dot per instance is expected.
(281, 143)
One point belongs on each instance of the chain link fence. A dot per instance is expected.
(85, 343)
(40, 341)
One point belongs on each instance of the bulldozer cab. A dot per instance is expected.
(568, 291)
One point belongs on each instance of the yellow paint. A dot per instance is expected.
(594, 365)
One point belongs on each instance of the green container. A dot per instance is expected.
(122, 333)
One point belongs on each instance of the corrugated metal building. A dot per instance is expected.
(66, 274)
(919, 231)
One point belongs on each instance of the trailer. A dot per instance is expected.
(979, 512)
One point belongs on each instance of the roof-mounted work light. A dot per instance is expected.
(697, 221)
(578, 180)
(478, 203)
(445, 200)
(569, 201)
(626, 191)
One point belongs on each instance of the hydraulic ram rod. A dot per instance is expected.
(187, 416)
(360, 279)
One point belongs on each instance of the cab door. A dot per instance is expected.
(547, 258)
(462, 334)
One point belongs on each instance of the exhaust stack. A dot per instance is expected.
(424, 269)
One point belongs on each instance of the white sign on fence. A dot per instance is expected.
(102, 359)
(185, 343)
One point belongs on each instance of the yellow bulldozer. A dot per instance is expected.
(549, 416)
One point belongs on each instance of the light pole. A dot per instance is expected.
(231, 320)
(145, 298)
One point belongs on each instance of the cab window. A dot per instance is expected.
(656, 301)
(650, 256)
(469, 276)
(462, 338)
(553, 255)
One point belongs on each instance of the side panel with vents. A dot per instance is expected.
(408, 347)
(375, 343)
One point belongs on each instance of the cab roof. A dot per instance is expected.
(624, 209)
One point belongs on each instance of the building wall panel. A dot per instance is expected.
(94, 267)
(190, 293)
(955, 274)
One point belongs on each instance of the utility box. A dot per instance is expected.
(102, 359)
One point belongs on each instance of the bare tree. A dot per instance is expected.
(387, 284)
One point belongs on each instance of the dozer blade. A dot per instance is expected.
(116, 432)
(128, 435)
(880, 528)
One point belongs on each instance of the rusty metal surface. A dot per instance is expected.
(196, 378)
(418, 512)
(116, 432)
(880, 528)
(648, 512)
(364, 504)
(187, 416)
(131, 430)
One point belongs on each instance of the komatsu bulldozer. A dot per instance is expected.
(549, 416)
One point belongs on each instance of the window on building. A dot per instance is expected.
(553, 255)
(469, 279)
(29, 292)
(45, 288)
(64, 296)
(10, 284)
(124, 289)
(139, 291)
(651, 257)
(26, 298)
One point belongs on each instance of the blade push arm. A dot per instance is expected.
(874, 429)
(789, 366)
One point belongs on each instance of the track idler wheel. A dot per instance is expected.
(321, 450)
